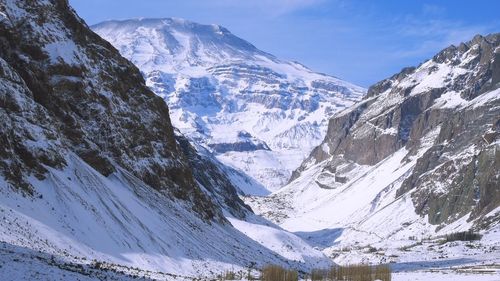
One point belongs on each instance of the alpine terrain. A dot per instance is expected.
(94, 181)
(417, 159)
(256, 113)
(178, 151)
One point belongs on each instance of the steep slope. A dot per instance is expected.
(417, 158)
(90, 167)
(61, 94)
(218, 181)
(80, 215)
(259, 114)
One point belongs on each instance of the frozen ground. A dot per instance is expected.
(447, 275)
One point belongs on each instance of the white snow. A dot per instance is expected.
(79, 213)
(62, 50)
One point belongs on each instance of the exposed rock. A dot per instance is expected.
(65, 90)
(209, 174)
(456, 93)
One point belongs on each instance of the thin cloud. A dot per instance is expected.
(271, 8)
(431, 9)
(436, 34)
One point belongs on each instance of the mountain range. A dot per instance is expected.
(416, 158)
(93, 173)
(179, 151)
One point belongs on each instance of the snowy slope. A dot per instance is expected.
(91, 169)
(259, 114)
(311, 207)
(416, 159)
(80, 214)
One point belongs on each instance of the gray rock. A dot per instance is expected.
(459, 174)
(91, 102)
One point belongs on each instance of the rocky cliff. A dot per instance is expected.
(65, 90)
(417, 159)
(455, 93)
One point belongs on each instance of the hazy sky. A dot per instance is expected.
(361, 41)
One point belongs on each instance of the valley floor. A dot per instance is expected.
(446, 275)
(18, 263)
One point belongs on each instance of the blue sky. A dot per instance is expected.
(361, 41)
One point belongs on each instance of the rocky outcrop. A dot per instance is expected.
(209, 173)
(244, 141)
(238, 146)
(465, 161)
(455, 94)
(65, 90)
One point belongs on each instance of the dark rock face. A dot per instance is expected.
(474, 182)
(238, 146)
(244, 142)
(64, 90)
(207, 171)
(455, 95)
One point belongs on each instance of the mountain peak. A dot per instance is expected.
(178, 43)
(217, 84)
(159, 22)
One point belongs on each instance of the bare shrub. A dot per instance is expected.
(278, 273)
(353, 273)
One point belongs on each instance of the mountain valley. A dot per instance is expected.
(164, 149)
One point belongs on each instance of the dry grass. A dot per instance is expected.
(359, 272)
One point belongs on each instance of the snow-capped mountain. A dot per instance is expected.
(92, 172)
(257, 113)
(419, 157)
